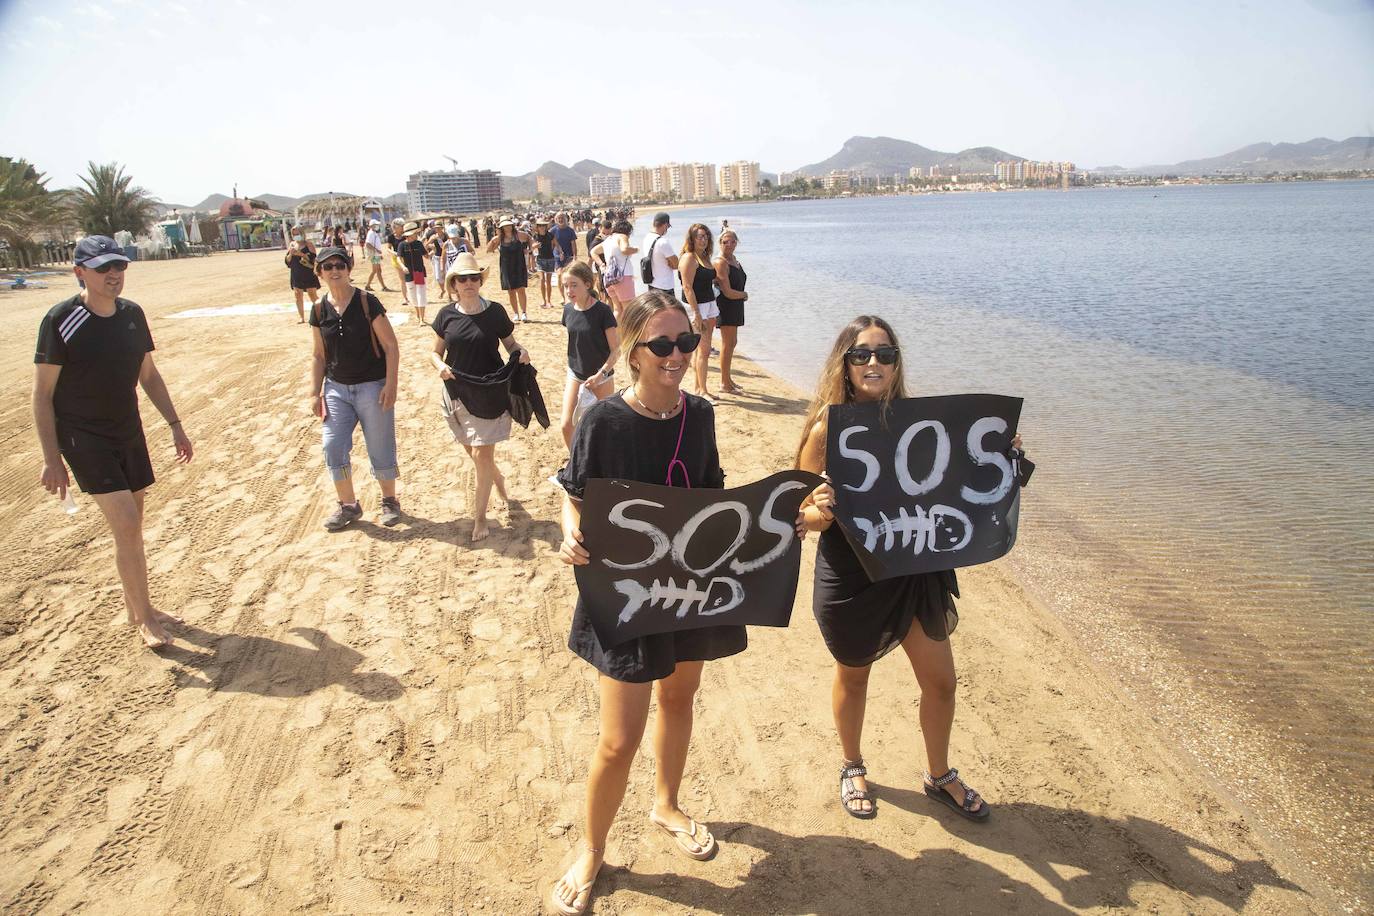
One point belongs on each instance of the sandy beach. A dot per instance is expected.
(388, 720)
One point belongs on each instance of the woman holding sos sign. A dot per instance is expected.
(654, 433)
(862, 620)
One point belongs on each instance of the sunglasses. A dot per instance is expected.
(334, 265)
(466, 278)
(117, 266)
(663, 346)
(859, 356)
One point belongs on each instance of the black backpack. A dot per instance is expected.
(646, 263)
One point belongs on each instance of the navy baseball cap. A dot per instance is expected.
(94, 250)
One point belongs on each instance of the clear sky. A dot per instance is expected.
(295, 98)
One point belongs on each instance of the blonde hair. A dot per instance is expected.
(727, 231)
(635, 319)
(689, 244)
(833, 386)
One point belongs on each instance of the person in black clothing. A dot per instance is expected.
(394, 237)
(353, 381)
(468, 332)
(413, 255)
(699, 292)
(861, 620)
(730, 279)
(593, 346)
(515, 274)
(655, 433)
(596, 232)
(300, 260)
(545, 258)
(93, 351)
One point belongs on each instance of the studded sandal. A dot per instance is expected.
(970, 808)
(849, 793)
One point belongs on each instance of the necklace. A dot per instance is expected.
(661, 414)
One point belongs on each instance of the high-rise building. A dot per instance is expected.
(703, 181)
(637, 181)
(739, 179)
(470, 191)
(604, 186)
(543, 184)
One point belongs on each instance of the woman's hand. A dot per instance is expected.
(54, 478)
(524, 356)
(1016, 441)
(696, 321)
(182, 442)
(823, 498)
(446, 374)
(317, 407)
(571, 550)
(387, 397)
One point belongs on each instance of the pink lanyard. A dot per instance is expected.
(677, 462)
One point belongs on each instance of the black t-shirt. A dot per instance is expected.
(413, 255)
(473, 341)
(96, 396)
(614, 441)
(394, 240)
(593, 238)
(587, 344)
(348, 356)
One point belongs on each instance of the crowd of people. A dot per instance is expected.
(95, 348)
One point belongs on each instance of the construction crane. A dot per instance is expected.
(454, 161)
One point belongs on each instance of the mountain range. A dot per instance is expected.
(886, 155)
(566, 180)
(1316, 155)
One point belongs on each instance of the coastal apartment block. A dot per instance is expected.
(683, 180)
(604, 186)
(739, 179)
(1029, 170)
(470, 191)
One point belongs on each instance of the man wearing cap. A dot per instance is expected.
(374, 254)
(93, 350)
(660, 254)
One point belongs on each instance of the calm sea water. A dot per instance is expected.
(1196, 363)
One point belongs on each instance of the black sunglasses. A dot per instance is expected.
(465, 278)
(662, 346)
(859, 356)
(334, 265)
(117, 266)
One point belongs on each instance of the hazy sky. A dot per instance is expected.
(294, 98)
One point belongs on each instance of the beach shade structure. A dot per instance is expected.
(244, 225)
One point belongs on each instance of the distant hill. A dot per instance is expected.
(1316, 155)
(566, 180)
(886, 155)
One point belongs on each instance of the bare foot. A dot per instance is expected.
(572, 890)
(480, 530)
(502, 498)
(152, 634)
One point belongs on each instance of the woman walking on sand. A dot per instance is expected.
(412, 254)
(613, 254)
(468, 333)
(545, 259)
(641, 434)
(699, 291)
(353, 381)
(300, 261)
(593, 347)
(861, 620)
(514, 274)
(730, 278)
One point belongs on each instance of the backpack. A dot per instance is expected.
(615, 265)
(646, 263)
(367, 311)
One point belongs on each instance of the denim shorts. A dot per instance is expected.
(345, 407)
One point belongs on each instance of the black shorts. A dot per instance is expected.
(110, 468)
(731, 312)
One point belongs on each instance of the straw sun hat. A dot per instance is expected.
(464, 265)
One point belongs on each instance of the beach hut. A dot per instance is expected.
(245, 225)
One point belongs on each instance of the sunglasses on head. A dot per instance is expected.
(859, 356)
(466, 278)
(334, 264)
(663, 346)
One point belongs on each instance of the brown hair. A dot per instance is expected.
(635, 318)
(689, 244)
(833, 387)
(581, 271)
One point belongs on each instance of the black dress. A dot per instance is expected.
(600, 449)
(861, 620)
(515, 272)
(302, 264)
(732, 310)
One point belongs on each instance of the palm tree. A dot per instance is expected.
(108, 204)
(27, 207)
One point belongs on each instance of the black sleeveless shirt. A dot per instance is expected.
(703, 283)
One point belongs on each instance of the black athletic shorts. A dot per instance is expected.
(110, 468)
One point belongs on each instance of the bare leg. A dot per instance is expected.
(933, 663)
(571, 392)
(703, 360)
(300, 305)
(672, 737)
(484, 457)
(524, 305)
(624, 712)
(848, 701)
(124, 515)
(729, 336)
(344, 490)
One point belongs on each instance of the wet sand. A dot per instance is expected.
(387, 720)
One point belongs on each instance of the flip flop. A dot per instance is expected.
(558, 906)
(685, 839)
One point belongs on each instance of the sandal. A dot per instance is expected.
(686, 839)
(848, 793)
(935, 789)
(574, 910)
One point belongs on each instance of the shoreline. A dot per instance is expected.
(434, 742)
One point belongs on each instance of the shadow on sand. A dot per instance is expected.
(1092, 861)
(267, 667)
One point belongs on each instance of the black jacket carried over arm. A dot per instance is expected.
(512, 388)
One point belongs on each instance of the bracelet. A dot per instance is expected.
(176, 422)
